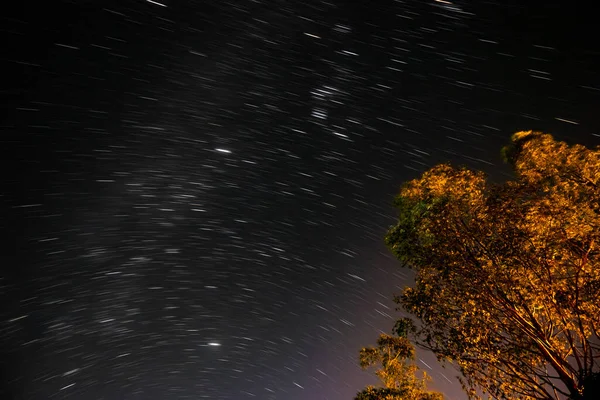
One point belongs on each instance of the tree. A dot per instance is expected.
(397, 372)
(508, 275)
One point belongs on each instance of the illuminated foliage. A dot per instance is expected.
(394, 355)
(508, 276)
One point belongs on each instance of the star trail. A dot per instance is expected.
(196, 193)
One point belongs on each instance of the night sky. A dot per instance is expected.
(195, 193)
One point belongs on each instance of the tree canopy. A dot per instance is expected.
(397, 371)
(508, 275)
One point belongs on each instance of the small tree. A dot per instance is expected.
(508, 276)
(397, 371)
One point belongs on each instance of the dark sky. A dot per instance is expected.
(195, 193)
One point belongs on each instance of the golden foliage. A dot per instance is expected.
(508, 276)
(394, 356)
